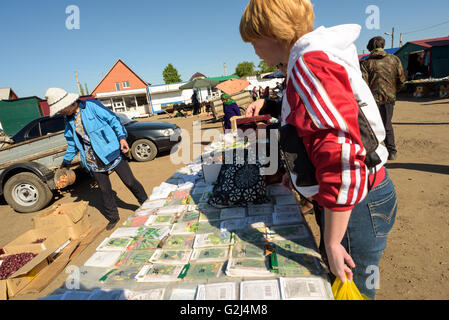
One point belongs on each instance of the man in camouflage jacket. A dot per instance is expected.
(385, 76)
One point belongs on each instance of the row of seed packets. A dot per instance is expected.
(301, 288)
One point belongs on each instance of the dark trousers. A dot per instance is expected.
(123, 170)
(386, 112)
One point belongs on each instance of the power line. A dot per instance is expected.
(437, 25)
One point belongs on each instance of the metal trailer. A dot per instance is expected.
(27, 171)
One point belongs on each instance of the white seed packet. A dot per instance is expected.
(286, 209)
(150, 294)
(260, 209)
(275, 190)
(103, 259)
(114, 244)
(217, 291)
(183, 294)
(233, 224)
(125, 232)
(260, 290)
(259, 221)
(287, 219)
(290, 232)
(286, 200)
(305, 288)
(148, 205)
(233, 213)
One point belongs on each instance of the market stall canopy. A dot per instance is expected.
(233, 86)
(274, 75)
(199, 83)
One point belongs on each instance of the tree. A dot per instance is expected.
(265, 68)
(171, 75)
(245, 69)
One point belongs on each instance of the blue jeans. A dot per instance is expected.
(366, 236)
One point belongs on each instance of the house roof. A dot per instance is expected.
(5, 93)
(435, 42)
(197, 75)
(121, 61)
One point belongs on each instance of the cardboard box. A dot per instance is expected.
(54, 237)
(22, 277)
(71, 215)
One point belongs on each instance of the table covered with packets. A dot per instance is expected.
(178, 247)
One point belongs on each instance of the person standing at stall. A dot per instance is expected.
(98, 135)
(230, 109)
(385, 76)
(323, 79)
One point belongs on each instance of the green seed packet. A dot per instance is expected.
(210, 254)
(180, 257)
(222, 239)
(301, 265)
(135, 257)
(210, 215)
(179, 242)
(185, 228)
(159, 273)
(123, 276)
(191, 216)
(250, 235)
(155, 232)
(114, 244)
(208, 227)
(143, 244)
(287, 247)
(203, 271)
(248, 250)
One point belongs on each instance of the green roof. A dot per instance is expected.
(224, 78)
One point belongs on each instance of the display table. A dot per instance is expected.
(178, 247)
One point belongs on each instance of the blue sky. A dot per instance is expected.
(38, 51)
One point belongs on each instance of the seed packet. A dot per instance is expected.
(248, 250)
(259, 221)
(305, 288)
(114, 244)
(160, 220)
(150, 205)
(163, 256)
(210, 254)
(238, 267)
(260, 290)
(156, 232)
(278, 190)
(287, 218)
(185, 228)
(217, 291)
(204, 271)
(287, 209)
(149, 294)
(122, 275)
(159, 273)
(233, 213)
(208, 227)
(179, 242)
(190, 216)
(125, 232)
(281, 233)
(286, 200)
(101, 259)
(260, 209)
(183, 294)
(210, 215)
(144, 244)
(298, 264)
(292, 246)
(135, 221)
(145, 212)
(172, 209)
(251, 235)
(222, 239)
(135, 257)
(233, 224)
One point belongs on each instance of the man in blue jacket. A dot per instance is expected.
(100, 138)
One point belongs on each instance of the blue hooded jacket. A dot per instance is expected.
(103, 128)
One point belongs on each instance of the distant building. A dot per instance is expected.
(123, 91)
(7, 94)
(197, 75)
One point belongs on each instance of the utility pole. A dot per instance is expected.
(400, 40)
(392, 37)
(225, 69)
(78, 83)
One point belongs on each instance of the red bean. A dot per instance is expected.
(14, 262)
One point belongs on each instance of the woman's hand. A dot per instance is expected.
(340, 262)
(124, 146)
(254, 108)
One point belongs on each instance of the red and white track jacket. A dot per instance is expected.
(324, 85)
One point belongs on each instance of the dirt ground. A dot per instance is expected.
(415, 264)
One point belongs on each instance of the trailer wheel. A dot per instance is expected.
(26, 193)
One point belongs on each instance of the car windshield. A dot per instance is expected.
(124, 119)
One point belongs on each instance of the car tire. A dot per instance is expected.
(144, 150)
(26, 193)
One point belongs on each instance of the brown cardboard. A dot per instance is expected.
(55, 237)
(26, 274)
(72, 215)
(49, 273)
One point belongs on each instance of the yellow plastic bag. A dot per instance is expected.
(347, 291)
